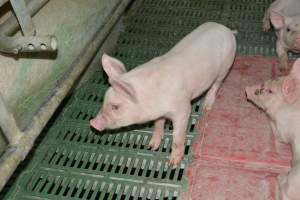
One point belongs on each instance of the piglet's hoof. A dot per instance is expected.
(155, 142)
(174, 162)
(206, 109)
(175, 159)
(266, 27)
(283, 71)
(283, 68)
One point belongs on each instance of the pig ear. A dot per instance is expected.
(295, 72)
(278, 20)
(124, 88)
(289, 90)
(112, 67)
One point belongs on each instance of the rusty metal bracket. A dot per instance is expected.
(8, 124)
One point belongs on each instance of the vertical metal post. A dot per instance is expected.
(23, 17)
(8, 124)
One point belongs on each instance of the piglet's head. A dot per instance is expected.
(120, 101)
(290, 28)
(274, 94)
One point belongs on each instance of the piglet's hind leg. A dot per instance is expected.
(211, 96)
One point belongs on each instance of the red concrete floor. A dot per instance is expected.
(237, 156)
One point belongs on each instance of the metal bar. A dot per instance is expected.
(11, 25)
(23, 17)
(17, 45)
(12, 157)
(2, 2)
(24, 44)
(8, 124)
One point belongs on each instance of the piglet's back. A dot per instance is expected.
(193, 63)
(287, 7)
(205, 37)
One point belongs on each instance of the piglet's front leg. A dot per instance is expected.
(289, 184)
(157, 134)
(180, 123)
(283, 58)
(266, 21)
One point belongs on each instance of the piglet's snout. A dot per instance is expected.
(98, 123)
(298, 42)
(251, 91)
(247, 90)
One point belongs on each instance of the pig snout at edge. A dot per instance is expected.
(297, 41)
(250, 90)
(99, 123)
(284, 119)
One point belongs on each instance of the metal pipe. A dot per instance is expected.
(13, 156)
(2, 2)
(27, 44)
(23, 17)
(8, 124)
(11, 25)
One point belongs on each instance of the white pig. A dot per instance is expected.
(280, 99)
(164, 87)
(285, 17)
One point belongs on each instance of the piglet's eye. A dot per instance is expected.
(115, 107)
(288, 29)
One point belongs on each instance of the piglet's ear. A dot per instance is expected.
(277, 19)
(125, 89)
(112, 67)
(289, 90)
(295, 72)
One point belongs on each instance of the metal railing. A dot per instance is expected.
(21, 141)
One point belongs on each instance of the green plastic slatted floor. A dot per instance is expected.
(75, 162)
